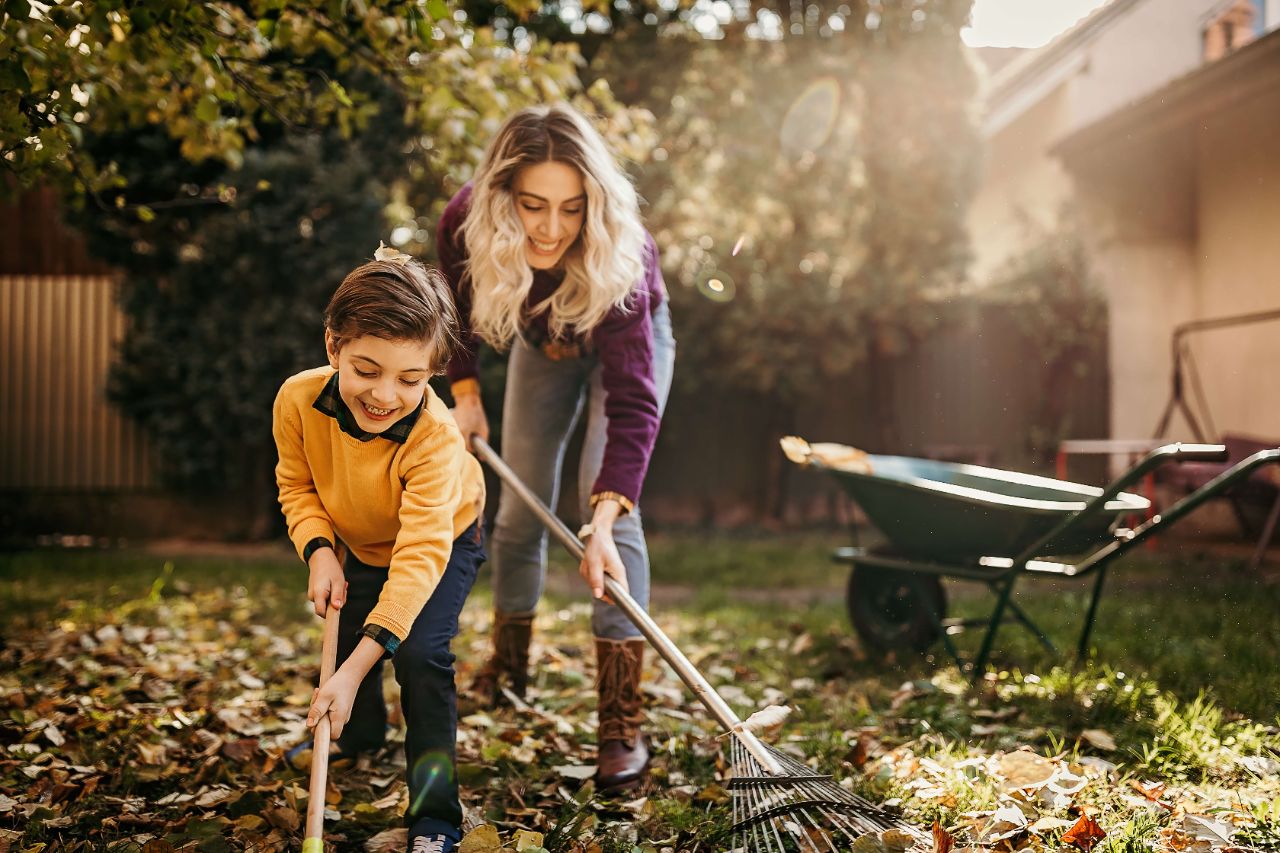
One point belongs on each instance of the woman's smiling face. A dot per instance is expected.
(381, 381)
(551, 201)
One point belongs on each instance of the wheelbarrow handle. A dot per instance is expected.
(1179, 452)
(1163, 455)
(689, 674)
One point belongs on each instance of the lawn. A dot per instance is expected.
(146, 698)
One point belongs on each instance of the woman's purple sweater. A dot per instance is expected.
(623, 342)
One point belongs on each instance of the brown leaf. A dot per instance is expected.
(1085, 834)
(285, 818)
(943, 841)
(241, 750)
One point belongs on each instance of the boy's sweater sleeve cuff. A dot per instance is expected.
(314, 545)
(309, 530)
(384, 637)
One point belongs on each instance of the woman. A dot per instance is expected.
(547, 256)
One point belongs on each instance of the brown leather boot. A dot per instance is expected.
(623, 754)
(510, 661)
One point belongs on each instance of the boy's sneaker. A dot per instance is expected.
(432, 844)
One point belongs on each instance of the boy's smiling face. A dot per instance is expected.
(381, 381)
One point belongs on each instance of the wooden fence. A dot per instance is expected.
(60, 433)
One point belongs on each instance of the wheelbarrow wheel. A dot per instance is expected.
(895, 612)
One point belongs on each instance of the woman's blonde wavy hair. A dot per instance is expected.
(601, 267)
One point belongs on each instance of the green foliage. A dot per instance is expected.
(1062, 307)
(1265, 832)
(234, 161)
(218, 75)
(225, 300)
(1058, 306)
(1135, 836)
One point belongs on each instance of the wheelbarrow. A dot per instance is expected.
(996, 527)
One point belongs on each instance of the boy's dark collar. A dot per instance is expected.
(330, 402)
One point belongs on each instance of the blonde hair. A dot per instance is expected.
(603, 264)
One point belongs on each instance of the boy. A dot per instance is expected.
(369, 455)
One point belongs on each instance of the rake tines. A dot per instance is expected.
(801, 810)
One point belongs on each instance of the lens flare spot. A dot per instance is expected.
(429, 770)
(737, 247)
(811, 118)
(717, 285)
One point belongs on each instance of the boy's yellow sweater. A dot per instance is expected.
(396, 505)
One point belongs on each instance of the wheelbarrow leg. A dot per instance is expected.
(1022, 617)
(1083, 646)
(1003, 589)
(1268, 531)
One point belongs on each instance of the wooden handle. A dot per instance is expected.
(320, 741)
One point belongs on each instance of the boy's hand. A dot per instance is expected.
(336, 697)
(327, 583)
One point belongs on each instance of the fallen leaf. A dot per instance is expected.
(1049, 824)
(575, 771)
(896, 841)
(765, 721)
(868, 843)
(482, 839)
(526, 839)
(1204, 828)
(943, 841)
(1024, 769)
(1085, 833)
(1099, 739)
(396, 840)
(713, 793)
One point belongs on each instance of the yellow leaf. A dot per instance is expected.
(526, 838)
(482, 839)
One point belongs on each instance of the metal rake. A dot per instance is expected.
(779, 804)
(801, 810)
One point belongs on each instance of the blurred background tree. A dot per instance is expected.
(234, 161)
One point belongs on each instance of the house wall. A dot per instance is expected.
(1022, 186)
(1150, 287)
(1184, 226)
(1144, 47)
(1238, 255)
(1150, 45)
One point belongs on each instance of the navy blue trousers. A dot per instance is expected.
(424, 669)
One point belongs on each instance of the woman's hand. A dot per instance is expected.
(468, 411)
(601, 557)
(326, 583)
(336, 698)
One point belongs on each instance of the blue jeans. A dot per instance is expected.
(424, 669)
(544, 400)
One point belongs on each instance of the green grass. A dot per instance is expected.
(1184, 675)
(1192, 625)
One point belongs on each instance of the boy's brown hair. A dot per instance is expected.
(396, 301)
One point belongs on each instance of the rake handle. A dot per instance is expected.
(314, 839)
(689, 674)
